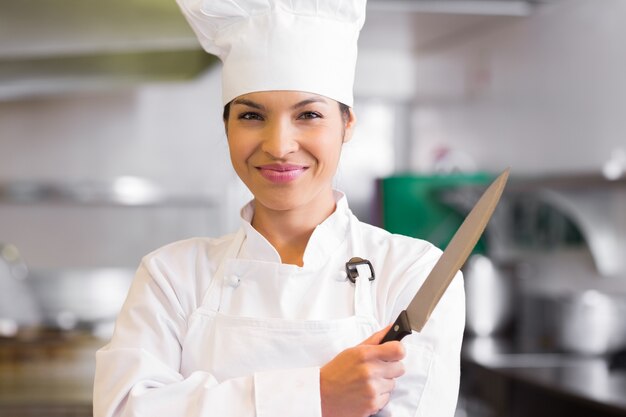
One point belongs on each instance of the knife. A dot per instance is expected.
(415, 316)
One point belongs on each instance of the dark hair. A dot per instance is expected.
(343, 108)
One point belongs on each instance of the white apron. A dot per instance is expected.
(231, 346)
(234, 346)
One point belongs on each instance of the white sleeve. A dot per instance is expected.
(430, 386)
(138, 372)
(444, 332)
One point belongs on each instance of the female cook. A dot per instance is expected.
(265, 322)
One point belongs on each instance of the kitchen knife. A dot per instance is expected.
(452, 259)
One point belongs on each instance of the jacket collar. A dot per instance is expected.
(323, 243)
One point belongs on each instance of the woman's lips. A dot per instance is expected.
(281, 173)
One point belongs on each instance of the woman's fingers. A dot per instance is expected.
(360, 380)
(387, 352)
(385, 386)
(392, 370)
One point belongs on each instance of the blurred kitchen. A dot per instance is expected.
(111, 145)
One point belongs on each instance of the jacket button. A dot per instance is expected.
(233, 281)
(341, 276)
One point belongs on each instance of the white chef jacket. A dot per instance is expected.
(165, 357)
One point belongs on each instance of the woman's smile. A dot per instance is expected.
(281, 173)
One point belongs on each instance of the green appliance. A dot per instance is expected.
(413, 205)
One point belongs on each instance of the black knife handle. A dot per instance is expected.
(400, 328)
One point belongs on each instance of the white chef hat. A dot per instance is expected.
(301, 45)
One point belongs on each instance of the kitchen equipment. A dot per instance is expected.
(599, 214)
(413, 205)
(17, 304)
(586, 322)
(591, 322)
(462, 243)
(88, 298)
(489, 295)
(617, 361)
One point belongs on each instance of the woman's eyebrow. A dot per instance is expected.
(248, 103)
(309, 101)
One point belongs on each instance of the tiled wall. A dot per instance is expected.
(170, 134)
(543, 93)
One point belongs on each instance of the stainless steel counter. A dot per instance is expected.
(48, 374)
(585, 384)
(53, 374)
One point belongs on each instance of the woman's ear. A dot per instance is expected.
(349, 126)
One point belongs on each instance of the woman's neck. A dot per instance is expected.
(289, 231)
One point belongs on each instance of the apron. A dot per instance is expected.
(230, 346)
(233, 346)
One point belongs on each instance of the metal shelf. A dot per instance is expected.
(122, 192)
(576, 181)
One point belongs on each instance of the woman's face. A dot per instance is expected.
(285, 146)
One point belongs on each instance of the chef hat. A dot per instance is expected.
(301, 45)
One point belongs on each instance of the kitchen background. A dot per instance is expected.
(111, 145)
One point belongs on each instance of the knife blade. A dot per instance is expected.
(415, 316)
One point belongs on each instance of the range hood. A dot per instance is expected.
(57, 46)
(459, 7)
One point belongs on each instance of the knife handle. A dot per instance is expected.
(400, 328)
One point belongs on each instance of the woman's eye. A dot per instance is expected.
(310, 115)
(250, 116)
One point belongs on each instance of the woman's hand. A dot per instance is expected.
(359, 380)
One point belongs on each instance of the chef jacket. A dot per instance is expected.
(222, 327)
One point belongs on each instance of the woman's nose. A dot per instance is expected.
(280, 139)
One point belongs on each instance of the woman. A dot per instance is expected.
(265, 322)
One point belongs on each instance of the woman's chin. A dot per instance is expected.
(292, 199)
